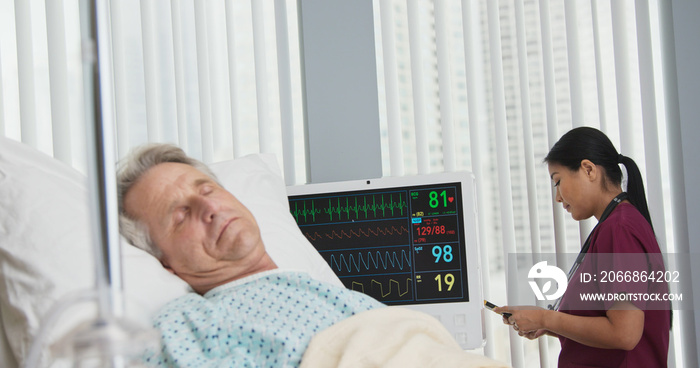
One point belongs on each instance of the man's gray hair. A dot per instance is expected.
(130, 170)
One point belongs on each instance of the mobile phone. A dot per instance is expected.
(490, 306)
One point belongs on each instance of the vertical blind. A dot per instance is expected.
(526, 72)
(483, 86)
(214, 77)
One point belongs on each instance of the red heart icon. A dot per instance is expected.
(450, 199)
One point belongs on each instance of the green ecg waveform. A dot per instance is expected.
(299, 212)
(359, 207)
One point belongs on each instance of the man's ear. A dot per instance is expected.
(590, 169)
(165, 265)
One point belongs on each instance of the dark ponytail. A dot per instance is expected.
(635, 187)
(589, 143)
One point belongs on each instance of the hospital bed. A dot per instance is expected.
(48, 271)
(47, 252)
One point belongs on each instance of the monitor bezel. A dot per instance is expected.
(463, 319)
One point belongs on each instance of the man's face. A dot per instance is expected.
(206, 235)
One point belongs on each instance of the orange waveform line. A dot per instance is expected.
(378, 231)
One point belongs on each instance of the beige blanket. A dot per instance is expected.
(390, 337)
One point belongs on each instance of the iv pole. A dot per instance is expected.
(110, 340)
(97, 86)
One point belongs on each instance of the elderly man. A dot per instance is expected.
(245, 311)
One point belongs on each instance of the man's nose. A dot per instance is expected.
(207, 208)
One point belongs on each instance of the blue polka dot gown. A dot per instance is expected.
(264, 320)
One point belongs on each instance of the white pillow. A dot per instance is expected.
(45, 251)
(256, 180)
(44, 240)
(7, 358)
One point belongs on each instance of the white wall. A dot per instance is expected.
(340, 90)
(686, 29)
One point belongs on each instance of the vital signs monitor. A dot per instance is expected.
(408, 241)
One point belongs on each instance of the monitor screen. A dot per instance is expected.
(402, 240)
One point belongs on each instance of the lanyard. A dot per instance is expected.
(587, 244)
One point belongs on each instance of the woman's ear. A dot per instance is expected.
(589, 169)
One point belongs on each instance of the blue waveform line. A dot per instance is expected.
(377, 259)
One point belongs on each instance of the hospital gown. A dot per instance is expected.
(264, 320)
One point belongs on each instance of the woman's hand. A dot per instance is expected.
(620, 328)
(532, 335)
(527, 320)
